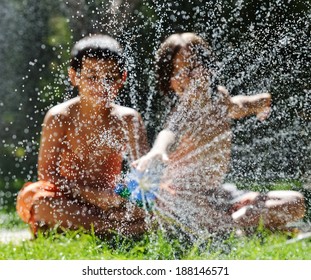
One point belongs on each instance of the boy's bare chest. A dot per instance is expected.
(96, 143)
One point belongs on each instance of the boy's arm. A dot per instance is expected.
(243, 106)
(52, 136)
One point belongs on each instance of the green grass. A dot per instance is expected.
(78, 245)
(261, 245)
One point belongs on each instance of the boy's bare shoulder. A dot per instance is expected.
(64, 110)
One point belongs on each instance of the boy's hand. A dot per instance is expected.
(129, 220)
(127, 213)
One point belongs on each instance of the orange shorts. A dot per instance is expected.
(29, 194)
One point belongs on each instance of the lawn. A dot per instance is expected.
(78, 245)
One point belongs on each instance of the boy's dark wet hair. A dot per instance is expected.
(97, 46)
(168, 50)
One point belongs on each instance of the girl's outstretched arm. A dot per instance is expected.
(243, 106)
(158, 151)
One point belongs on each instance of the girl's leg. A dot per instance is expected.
(275, 209)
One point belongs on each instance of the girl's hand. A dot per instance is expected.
(243, 106)
(145, 161)
(264, 107)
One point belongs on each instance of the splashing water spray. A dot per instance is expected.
(260, 46)
(141, 188)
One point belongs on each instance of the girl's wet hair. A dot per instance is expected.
(170, 47)
(97, 46)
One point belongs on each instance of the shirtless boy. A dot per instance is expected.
(83, 142)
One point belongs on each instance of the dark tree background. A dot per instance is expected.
(260, 45)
